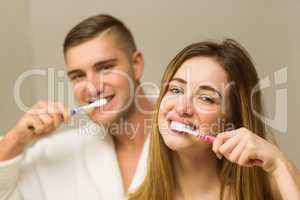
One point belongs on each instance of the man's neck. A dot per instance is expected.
(130, 139)
(135, 128)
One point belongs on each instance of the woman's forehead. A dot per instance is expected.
(199, 70)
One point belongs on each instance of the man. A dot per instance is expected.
(102, 62)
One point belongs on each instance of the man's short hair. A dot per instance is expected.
(94, 26)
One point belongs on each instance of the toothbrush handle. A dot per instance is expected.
(74, 111)
(208, 138)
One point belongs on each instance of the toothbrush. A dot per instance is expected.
(97, 103)
(177, 126)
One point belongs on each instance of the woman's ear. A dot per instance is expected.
(138, 65)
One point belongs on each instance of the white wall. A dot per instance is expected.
(15, 58)
(268, 29)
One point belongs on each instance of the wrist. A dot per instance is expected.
(11, 146)
(280, 166)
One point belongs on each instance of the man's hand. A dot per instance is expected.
(41, 120)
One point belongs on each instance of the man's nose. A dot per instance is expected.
(185, 106)
(94, 83)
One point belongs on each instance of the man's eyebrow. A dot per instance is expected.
(178, 80)
(74, 72)
(207, 87)
(103, 62)
(99, 63)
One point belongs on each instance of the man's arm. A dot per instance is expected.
(43, 119)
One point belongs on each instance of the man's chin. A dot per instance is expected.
(106, 119)
(100, 116)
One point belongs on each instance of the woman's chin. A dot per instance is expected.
(177, 142)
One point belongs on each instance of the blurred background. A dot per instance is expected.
(32, 33)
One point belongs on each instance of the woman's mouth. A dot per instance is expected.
(181, 128)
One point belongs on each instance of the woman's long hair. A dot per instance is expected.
(244, 183)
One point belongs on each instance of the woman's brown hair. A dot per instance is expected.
(244, 183)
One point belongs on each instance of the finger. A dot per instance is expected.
(56, 115)
(37, 125)
(48, 122)
(229, 145)
(215, 147)
(219, 140)
(226, 135)
(40, 107)
(237, 152)
(65, 112)
(245, 158)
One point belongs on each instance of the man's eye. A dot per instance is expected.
(105, 67)
(76, 77)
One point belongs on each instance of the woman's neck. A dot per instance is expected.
(196, 175)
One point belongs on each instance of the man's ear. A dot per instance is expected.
(138, 65)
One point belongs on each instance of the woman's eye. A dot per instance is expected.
(175, 90)
(207, 99)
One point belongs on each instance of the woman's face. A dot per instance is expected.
(196, 97)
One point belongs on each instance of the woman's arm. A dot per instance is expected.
(247, 149)
(285, 179)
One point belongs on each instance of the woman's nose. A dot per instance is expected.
(184, 106)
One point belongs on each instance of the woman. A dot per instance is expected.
(207, 88)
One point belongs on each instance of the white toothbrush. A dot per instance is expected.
(97, 103)
(177, 126)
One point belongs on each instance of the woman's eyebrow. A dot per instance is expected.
(178, 80)
(207, 87)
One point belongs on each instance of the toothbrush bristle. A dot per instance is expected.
(100, 102)
(182, 128)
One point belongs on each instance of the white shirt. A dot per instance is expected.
(73, 165)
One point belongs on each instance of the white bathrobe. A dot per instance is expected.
(72, 165)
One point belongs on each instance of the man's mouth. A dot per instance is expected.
(108, 99)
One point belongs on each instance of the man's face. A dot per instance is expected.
(100, 69)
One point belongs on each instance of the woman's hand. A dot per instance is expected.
(247, 149)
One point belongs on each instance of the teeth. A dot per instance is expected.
(106, 98)
(100, 102)
(180, 127)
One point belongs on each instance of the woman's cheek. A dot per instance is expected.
(210, 123)
(167, 103)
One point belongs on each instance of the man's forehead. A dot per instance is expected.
(90, 52)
